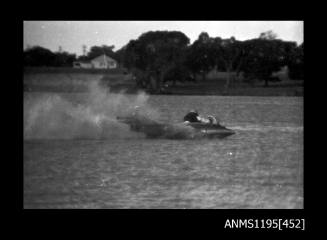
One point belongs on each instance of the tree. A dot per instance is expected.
(119, 55)
(83, 58)
(64, 59)
(179, 72)
(263, 56)
(207, 53)
(199, 56)
(268, 35)
(296, 63)
(96, 51)
(229, 56)
(153, 55)
(38, 56)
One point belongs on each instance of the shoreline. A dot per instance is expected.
(172, 94)
(55, 80)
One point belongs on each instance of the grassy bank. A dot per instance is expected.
(68, 70)
(217, 87)
(77, 80)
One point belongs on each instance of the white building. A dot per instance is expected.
(104, 61)
(100, 62)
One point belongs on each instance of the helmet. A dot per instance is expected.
(194, 111)
(212, 119)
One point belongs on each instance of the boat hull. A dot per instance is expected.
(153, 129)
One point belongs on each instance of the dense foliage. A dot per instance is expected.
(262, 57)
(38, 56)
(155, 55)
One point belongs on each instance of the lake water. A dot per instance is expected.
(261, 166)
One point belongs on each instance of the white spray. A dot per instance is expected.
(51, 116)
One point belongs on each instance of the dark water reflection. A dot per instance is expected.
(261, 166)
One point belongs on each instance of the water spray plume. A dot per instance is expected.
(51, 116)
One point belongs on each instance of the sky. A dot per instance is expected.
(72, 35)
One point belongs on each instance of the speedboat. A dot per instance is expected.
(155, 129)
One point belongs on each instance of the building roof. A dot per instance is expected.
(103, 58)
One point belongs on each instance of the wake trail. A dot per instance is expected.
(268, 128)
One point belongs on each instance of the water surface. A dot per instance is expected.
(261, 166)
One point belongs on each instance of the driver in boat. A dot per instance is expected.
(193, 116)
(212, 120)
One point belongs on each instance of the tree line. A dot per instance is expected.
(38, 56)
(156, 57)
(160, 56)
